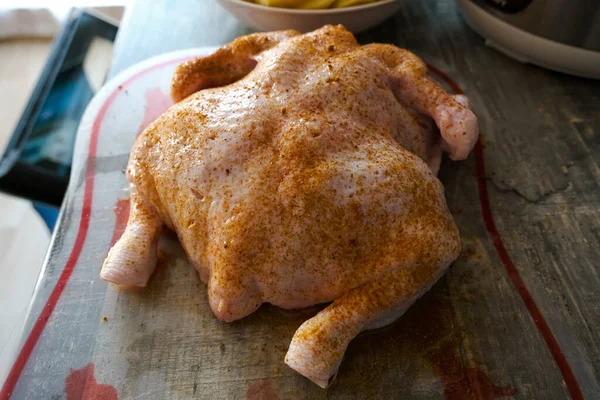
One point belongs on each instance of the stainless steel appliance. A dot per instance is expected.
(563, 35)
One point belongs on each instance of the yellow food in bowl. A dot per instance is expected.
(311, 4)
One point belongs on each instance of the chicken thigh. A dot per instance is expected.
(299, 169)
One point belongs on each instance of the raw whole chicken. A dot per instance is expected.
(299, 169)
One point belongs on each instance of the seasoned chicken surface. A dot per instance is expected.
(297, 170)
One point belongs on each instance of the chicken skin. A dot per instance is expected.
(299, 169)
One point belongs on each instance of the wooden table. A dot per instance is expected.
(518, 314)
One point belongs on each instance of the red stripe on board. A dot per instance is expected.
(40, 324)
(453, 85)
(536, 314)
(513, 273)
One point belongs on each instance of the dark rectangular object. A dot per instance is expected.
(37, 161)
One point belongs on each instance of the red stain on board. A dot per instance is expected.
(478, 384)
(427, 332)
(262, 390)
(81, 384)
(468, 254)
(434, 331)
(122, 215)
(156, 103)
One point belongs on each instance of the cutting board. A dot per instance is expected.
(473, 336)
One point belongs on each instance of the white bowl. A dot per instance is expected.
(355, 19)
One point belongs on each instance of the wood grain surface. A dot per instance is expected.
(472, 336)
